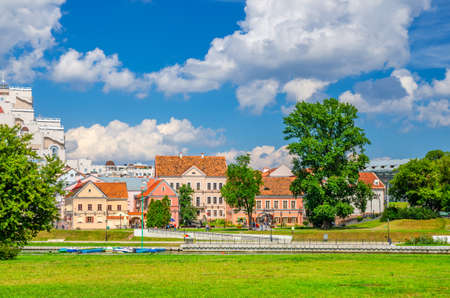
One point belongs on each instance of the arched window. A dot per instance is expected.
(54, 150)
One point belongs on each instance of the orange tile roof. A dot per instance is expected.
(113, 190)
(369, 178)
(168, 166)
(276, 186)
(268, 172)
(151, 186)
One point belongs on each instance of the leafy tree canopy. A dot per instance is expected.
(329, 153)
(158, 213)
(188, 213)
(27, 190)
(243, 184)
(424, 182)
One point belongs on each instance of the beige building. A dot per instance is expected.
(204, 174)
(96, 205)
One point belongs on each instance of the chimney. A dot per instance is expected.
(203, 155)
(180, 154)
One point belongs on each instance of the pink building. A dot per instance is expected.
(156, 189)
(275, 204)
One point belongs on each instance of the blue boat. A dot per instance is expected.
(92, 250)
(68, 250)
(149, 250)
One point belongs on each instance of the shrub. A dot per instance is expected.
(408, 213)
(359, 218)
(306, 223)
(8, 252)
(423, 239)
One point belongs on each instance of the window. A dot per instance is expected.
(215, 212)
(292, 204)
(80, 207)
(171, 184)
(208, 212)
(258, 204)
(119, 207)
(189, 184)
(99, 207)
(209, 186)
(109, 207)
(54, 150)
(267, 204)
(214, 185)
(198, 202)
(285, 204)
(220, 200)
(89, 207)
(90, 219)
(275, 204)
(215, 200)
(209, 200)
(220, 212)
(178, 185)
(220, 185)
(198, 185)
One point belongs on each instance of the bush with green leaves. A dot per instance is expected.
(8, 252)
(393, 213)
(158, 214)
(424, 240)
(27, 190)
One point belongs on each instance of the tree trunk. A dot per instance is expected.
(249, 213)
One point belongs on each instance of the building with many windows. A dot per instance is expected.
(204, 174)
(16, 108)
(96, 205)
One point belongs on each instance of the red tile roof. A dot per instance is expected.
(151, 186)
(113, 190)
(369, 178)
(276, 186)
(169, 166)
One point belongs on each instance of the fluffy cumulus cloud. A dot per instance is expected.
(26, 32)
(257, 94)
(311, 41)
(94, 67)
(262, 156)
(120, 141)
(403, 94)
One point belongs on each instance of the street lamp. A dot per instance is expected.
(142, 215)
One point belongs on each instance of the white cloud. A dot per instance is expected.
(316, 40)
(257, 94)
(412, 104)
(302, 89)
(262, 156)
(437, 113)
(93, 67)
(26, 32)
(120, 141)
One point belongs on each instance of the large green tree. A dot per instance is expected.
(188, 213)
(158, 213)
(424, 182)
(27, 189)
(328, 152)
(243, 184)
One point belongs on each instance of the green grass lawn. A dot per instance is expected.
(103, 244)
(226, 275)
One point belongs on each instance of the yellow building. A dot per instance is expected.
(96, 205)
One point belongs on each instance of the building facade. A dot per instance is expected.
(275, 204)
(378, 203)
(16, 108)
(96, 205)
(204, 174)
(156, 189)
(110, 169)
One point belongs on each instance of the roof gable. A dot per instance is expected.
(371, 179)
(89, 190)
(281, 171)
(193, 172)
(175, 166)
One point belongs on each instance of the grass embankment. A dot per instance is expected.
(400, 230)
(224, 276)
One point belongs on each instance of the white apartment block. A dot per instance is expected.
(110, 169)
(16, 108)
(204, 174)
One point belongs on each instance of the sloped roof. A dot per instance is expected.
(369, 178)
(113, 190)
(133, 183)
(276, 186)
(167, 166)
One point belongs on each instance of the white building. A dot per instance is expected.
(16, 108)
(110, 169)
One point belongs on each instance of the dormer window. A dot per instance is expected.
(193, 173)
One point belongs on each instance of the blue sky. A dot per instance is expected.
(138, 78)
